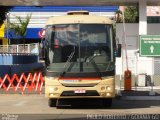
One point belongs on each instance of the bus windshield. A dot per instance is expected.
(79, 47)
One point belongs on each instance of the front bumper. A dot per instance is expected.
(98, 91)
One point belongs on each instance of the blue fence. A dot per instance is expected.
(11, 59)
(4, 69)
(18, 63)
(19, 69)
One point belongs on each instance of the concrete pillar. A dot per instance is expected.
(142, 17)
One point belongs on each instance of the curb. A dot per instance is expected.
(140, 98)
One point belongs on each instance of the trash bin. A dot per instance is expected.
(141, 80)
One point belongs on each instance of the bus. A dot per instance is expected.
(80, 58)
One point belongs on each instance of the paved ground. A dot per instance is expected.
(36, 107)
(33, 106)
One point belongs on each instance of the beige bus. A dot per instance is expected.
(79, 57)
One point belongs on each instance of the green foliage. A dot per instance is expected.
(3, 12)
(131, 14)
(20, 27)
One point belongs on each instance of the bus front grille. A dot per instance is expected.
(88, 93)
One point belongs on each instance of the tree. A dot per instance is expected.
(4, 10)
(131, 15)
(20, 27)
(118, 17)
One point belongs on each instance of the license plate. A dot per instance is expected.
(79, 91)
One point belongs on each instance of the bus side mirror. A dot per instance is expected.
(118, 51)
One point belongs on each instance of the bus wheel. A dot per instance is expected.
(107, 102)
(52, 102)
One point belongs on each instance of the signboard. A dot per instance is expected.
(41, 33)
(2, 30)
(150, 45)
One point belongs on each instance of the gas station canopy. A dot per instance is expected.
(141, 3)
(75, 2)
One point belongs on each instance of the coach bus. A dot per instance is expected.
(80, 58)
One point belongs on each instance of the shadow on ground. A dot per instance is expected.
(97, 104)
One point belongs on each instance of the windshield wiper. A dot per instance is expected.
(95, 65)
(66, 67)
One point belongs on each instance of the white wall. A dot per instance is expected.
(136, 63)
(38, 19)
(132, 29)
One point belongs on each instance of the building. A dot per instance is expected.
(137, 63)
(41, 14)
(153, 13)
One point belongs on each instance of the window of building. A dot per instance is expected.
(153, 19)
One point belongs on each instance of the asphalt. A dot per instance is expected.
(11, 91)
(140, 94)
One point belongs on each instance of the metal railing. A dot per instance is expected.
(20, 48)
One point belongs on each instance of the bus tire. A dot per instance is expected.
(107, 102)
(52, 102)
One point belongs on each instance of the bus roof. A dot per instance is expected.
(73, 19)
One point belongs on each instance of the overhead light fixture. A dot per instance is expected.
(35, 2)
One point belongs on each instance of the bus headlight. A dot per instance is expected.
(56, 88)
(102, 88)
(51, 95)
(103, 94)
(52, 89)
(108, 94)
(108, 88)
